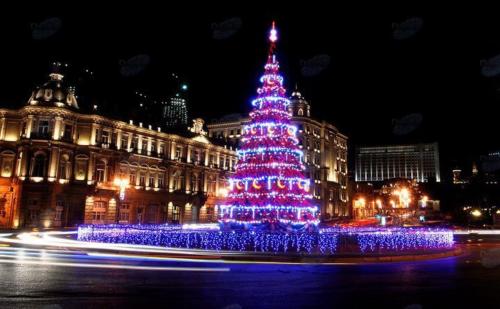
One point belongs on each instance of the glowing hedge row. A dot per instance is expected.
(257, 241)
(326, 241)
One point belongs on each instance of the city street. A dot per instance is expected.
(37, 276)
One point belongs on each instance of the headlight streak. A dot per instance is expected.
(47, 257)
(47, 240)
(112, 266)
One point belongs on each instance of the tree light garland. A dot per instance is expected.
(269, 186)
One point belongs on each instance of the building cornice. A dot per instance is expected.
(101, 120)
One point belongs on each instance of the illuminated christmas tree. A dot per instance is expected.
(269, 188)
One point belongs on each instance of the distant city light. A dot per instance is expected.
(476, 213)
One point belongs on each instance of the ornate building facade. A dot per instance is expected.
(60, 167)
(325, 154)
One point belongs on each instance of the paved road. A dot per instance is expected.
(38, 277)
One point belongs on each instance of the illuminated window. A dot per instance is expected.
(99, 211)
(176, 214)
(124, 213)
(98, 215)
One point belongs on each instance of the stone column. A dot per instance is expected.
(119, 139)
(188, 155)
(29, 126)
(205, 182)
(169, 212)
(188, 181)
(216, 185)
(23, 169)
(223, 162)
(90, 168)
(56, 135)
(2, 128)
(53, 163)
(172, 150)
(93, 129)
(207, 154)
(148, 149)
(139, 144)
(158, 144)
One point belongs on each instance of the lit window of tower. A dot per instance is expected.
(175, 112)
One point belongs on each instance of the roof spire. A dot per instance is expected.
(273, 37)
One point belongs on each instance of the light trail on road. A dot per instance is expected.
(35, 248)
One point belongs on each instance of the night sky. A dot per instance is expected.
(371, 79)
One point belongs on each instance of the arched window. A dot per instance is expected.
(39, 163)
(300, 112)
(64, 167)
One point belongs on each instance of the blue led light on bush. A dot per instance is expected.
(208, 239)
(326, 241)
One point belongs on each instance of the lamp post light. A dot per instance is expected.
(423, 201)
(122, 183)
(476, 213)
(223, 192)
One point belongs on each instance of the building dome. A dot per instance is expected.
(54, 93)
(298, 105)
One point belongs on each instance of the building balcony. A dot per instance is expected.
(41, 135)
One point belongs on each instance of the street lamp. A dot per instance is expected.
(424, 201)
(122, 183)
(223, 192)
(476, 213)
